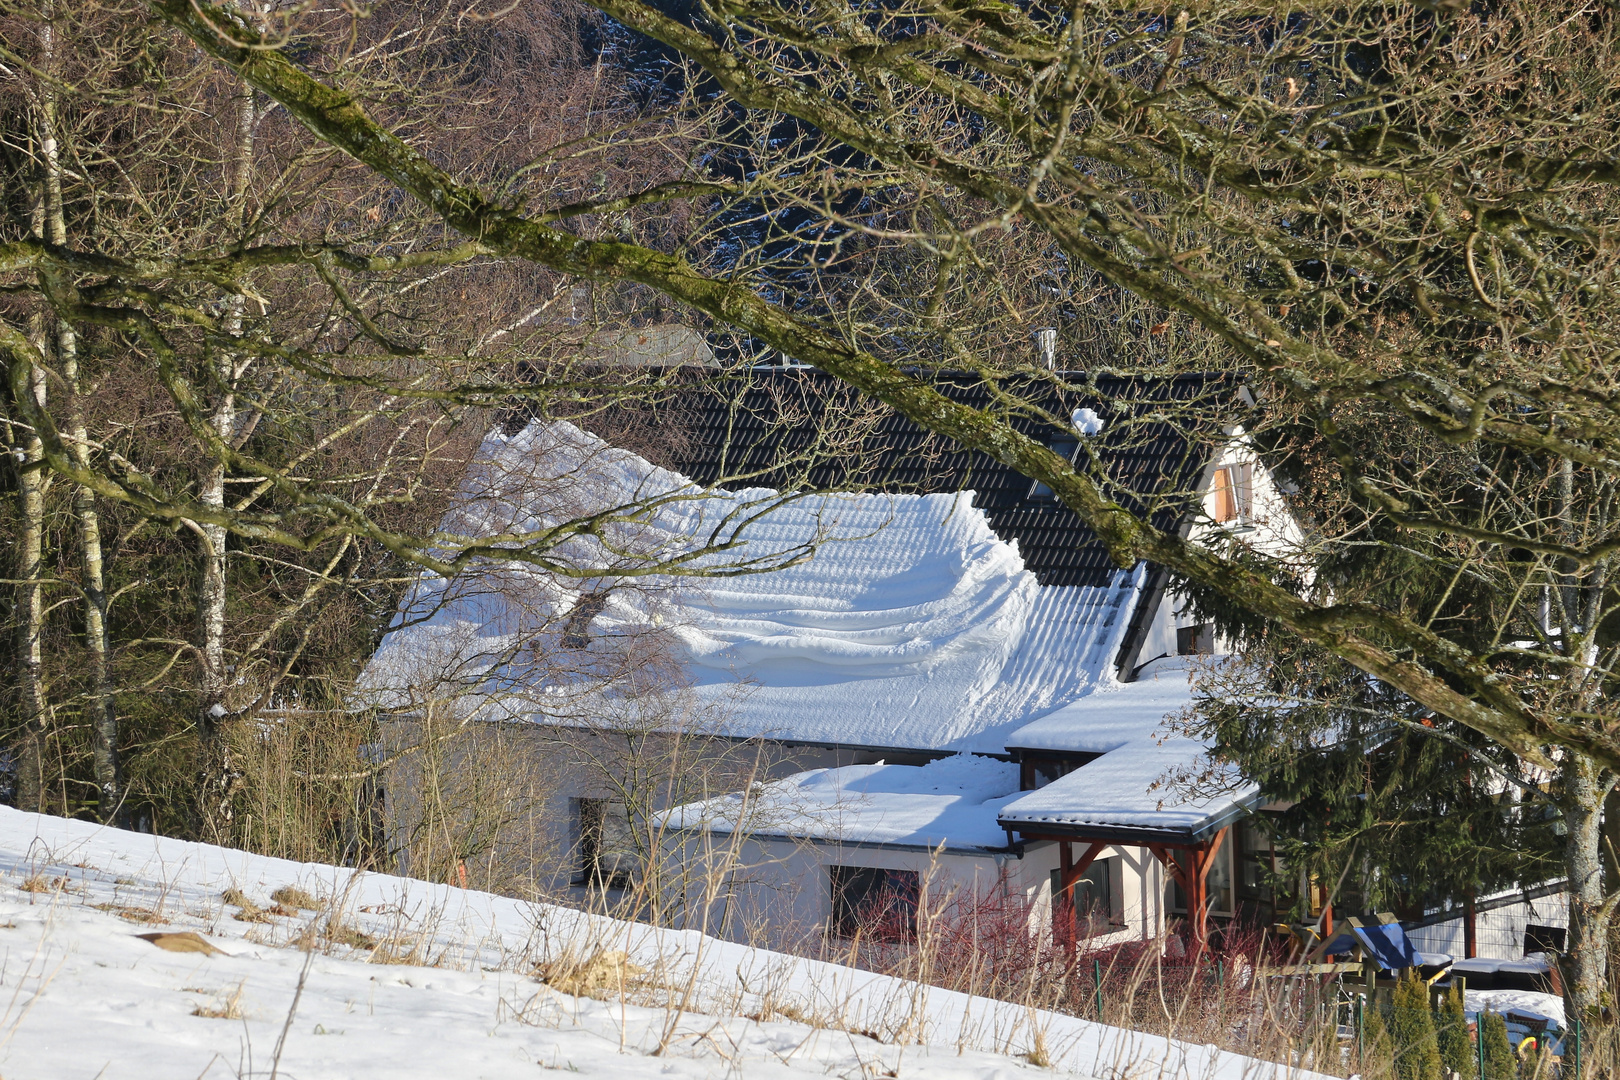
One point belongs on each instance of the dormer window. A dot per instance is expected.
(1231, 493)
(1197, 640)
(577, 630)
(1063, 448)
(1037, 769)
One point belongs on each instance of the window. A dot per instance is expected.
(577, 630)
(1257, 864)
(879, 904)
(604, 844)
(1094, 907)
(1538, 938)
(1229, 493)
(1217, 886)
(1196, 640)
(1063, 448)
(1038, 770)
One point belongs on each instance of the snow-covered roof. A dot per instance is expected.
(1115, 713)
(952, 801)
(913, 626)
(929, 635)
(1131, 788)
(966, 801)
(775, 424)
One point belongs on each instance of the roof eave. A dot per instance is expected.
(1137, 834)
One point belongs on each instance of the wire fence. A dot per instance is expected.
(1500, 924)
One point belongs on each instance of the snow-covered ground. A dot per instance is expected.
(407, 979)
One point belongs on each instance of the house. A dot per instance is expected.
(939, 677)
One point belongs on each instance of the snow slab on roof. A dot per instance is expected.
(1133, 785)
(88, 998)
(952, 801)
(1113, 714)
(912, 626)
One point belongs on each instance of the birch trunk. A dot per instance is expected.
(30, 615)
(101, 709)
(220, 773)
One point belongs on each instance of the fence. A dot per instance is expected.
(1499, 922)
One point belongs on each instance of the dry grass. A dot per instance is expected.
(343, 934)
(228, 1009)
(131, 913)
(251, 912)
(291, 896)
(40, 883)
(604, 971)
(394, 952)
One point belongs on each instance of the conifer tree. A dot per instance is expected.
(1500, 1062)
(1417, 1055)
(1451, 1031)
(1377, 1051)
(1403, 808)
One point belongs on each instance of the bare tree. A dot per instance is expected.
(1401, 211)
(255, 435)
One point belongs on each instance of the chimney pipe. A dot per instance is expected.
(1046, 347)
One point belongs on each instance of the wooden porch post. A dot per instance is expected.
(1062, 903)
(1206, 860)
(1064, 916)
(1190, 867)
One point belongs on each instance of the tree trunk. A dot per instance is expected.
(220, 774)
(101, 709)
(30, 616)
(1586, 965)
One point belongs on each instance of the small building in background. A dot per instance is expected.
(936, 684)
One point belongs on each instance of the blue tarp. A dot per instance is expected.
(1387, 945)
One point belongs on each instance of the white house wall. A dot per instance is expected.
(1499, 933)
(1268, 527)
(1138, 891)
(780, 888)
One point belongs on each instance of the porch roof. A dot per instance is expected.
(951, 802)
(1151, 785)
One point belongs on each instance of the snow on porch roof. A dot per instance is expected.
(1129, 793)
(951, 802)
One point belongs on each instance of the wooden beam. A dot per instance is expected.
(1204, 859)
(1189, 865)
(1064, 916)
(1071, 876)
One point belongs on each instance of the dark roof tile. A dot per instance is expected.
(760, 420)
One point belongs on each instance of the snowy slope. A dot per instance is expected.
(912, 626)
(86, 998)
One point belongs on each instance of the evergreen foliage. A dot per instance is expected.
(1377, 1051)
(1411, 1025)
(1409, 802)
(1500, 1061)
(1451, 1031)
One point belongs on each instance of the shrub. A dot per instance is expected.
(1500, 1063)
(1451, 1031)
(1411, 1028)
(1377, 1050)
